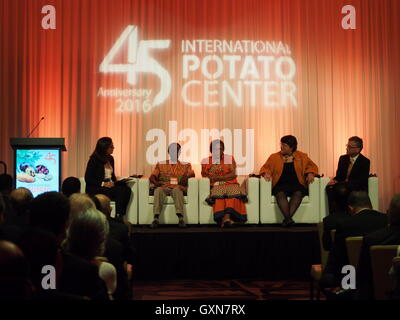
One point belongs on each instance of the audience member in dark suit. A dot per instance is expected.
(70, 186)
(40, 248)
(363, 220)
(100, 176)
(118, 230)
(340, 213)
(118, 248)
(352, 171)
(389, 235)
(50, 211)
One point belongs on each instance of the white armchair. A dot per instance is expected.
(132, 209)
(168, 214)
(308, 212)
(373, 192)
(252, 206)
(373, 189)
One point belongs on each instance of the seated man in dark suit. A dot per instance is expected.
(389, 235)
(352, 171)
(340, 213)
(363, 220)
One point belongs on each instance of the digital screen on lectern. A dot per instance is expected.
(38, 170)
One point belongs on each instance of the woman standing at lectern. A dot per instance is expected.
(100, 177)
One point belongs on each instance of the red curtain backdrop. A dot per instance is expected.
(346, 80)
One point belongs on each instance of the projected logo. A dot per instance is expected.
(139, 61)
(221, 73)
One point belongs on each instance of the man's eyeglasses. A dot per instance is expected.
(351, 147)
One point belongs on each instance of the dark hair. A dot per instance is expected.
(359, 199)
(6, 182)
(50, 211)
(175, 144)
(291, 141)
(70, 186)
(100, 152)
(394, 210)
(358, 141)
(216, 142)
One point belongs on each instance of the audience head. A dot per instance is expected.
(394, 210)
(70, 186)
(104, 149)
(174, 150)
(20, 200)
(359, 200)
(87, 234)
(354, 146)
(105, 204)
(50, 211)
(79, 202)
(288, 144)
(14, 273)
(6, 183)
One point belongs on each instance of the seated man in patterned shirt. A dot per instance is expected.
(170, 178)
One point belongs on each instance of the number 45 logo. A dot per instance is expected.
(139, 60)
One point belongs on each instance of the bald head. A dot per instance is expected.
(20, 199)
(105, 203)
(21, 194)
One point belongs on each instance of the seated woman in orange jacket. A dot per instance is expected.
(291, 171)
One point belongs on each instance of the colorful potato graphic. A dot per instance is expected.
(42, 169)
(30, 171)
(24, 177)
(27, 168)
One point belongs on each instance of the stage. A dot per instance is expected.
(267, 252)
